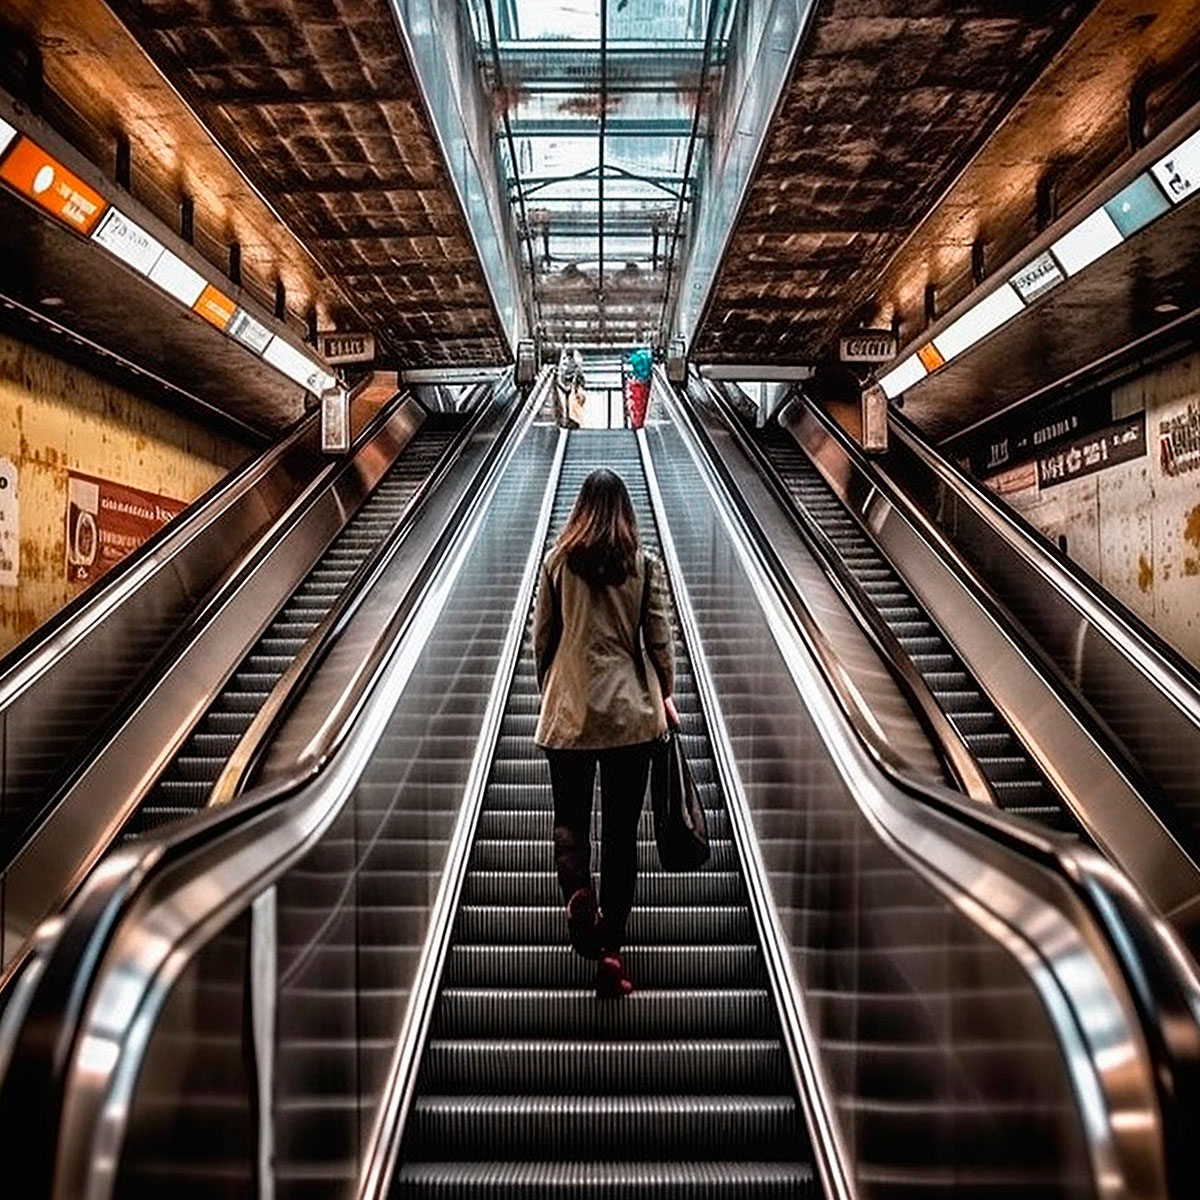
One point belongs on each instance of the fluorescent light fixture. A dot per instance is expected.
(283, 356)
(1135, 206)
(176, 278)
(900, 379)
(128, 241)
(1179, 171)
(7, 135)
(978, 321)
(248, 331)
(1037, 277)
(1092, 237)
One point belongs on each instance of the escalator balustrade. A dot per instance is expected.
(1017, 783)
(185, 786)
(529, 1085)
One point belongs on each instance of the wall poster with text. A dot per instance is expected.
(106, 520)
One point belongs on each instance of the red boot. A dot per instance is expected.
(611, 981)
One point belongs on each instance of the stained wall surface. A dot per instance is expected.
(56, 418)
(1135, 526)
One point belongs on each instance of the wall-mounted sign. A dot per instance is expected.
(128, 241)
(106, 520)
(874, 419)
(347, 347)
(1179, 441)
(215, 307)
(1039, 276)
(1121, 442)
(249, 332)
(45, 181)
(8, 135)
(335, 421)
(868, 346)
(10, 529)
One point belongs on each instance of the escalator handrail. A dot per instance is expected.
(383, 1144)
(1155, 968)
(1149, 653)
(950, 744)
(247, 755)
(41, 1034)
(35, 655)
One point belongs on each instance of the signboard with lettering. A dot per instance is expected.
(10, 529)
(1121, 442)
(106, 520)
(347, 347)
(868, 346)
(335, 421)
(1179, 441)
(1037, 277)
(45, 181)
(874, 419)
(215, 307)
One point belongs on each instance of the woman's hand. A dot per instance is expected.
(672, 712)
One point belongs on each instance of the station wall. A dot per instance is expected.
(57, 419)
(1135, 526)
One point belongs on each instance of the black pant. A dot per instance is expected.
(623, 773)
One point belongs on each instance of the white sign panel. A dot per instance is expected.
(1179, 171)
(874, 419)
(128, 241)
(1039, 276)
(347, 347)
(869, 346)
(10, 532)
(7, 134)
(335, 421)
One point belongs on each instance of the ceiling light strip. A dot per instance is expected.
(1170, 181)
(39, 177)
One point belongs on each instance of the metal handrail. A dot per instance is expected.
(247, 754)
(383, 1145)
(1156, 970)
(1170, 673)
(950, 744)
(68, 972)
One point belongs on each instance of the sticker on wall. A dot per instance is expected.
(1179, 441)
(10, 532)
(1121, 442)
(106, 520)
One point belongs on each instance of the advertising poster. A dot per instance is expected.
(106, 520)
(10, 537)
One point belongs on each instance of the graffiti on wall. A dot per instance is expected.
(1179, 441)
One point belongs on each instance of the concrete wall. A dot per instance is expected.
(1136, 526)
(55, 418)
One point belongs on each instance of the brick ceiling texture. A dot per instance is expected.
(888, 101)
(316, 102)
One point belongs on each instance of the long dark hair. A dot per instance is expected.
(600, 541)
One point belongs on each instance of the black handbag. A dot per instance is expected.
(680, 827)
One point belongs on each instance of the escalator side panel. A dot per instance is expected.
(945, 1070)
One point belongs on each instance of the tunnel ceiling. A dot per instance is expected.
(316, 102)
(887, 102)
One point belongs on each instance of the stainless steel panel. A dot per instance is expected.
(87, 814)
(1103, 790)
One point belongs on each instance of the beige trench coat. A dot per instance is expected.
(598, 690)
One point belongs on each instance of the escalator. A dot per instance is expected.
(531, 1087)
(185, 786)
(1018, 785)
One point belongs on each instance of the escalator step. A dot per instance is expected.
(604, 1127)
(746, 1066)
(529, 924)
(605, 1181)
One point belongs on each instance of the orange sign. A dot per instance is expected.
(930, 356)
(215, 307)
(49, 184)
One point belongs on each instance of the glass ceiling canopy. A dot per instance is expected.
(600, 132)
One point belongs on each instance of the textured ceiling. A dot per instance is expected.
(316, 102)
(887, 102)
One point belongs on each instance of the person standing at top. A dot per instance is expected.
(605, 668)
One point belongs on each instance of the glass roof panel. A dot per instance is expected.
(557, 82)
